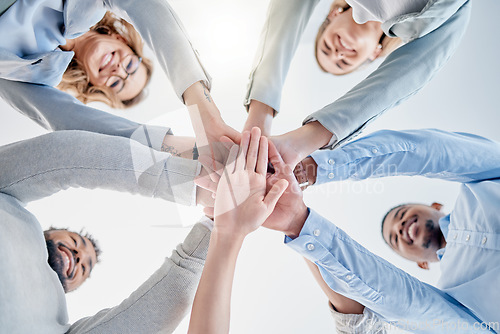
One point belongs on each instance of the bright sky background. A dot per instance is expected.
(273, 291)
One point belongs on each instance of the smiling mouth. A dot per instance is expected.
(344, 44)
(411, 230)
(106, 61)
(68, 260)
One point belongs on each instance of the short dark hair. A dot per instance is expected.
(385, 216)
(83, 233)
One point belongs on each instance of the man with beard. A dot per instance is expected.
(32, 299)
(71, 255)
(466, 242)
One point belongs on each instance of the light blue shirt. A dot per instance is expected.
(469, 288)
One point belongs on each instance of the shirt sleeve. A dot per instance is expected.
(367, 322)
(41, 166)
(280, 37)
(162, 31)
(392, 294)
(403, 73)
(56, 110)
(432, 153)
(160, 303)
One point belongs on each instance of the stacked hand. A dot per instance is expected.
(246, 195)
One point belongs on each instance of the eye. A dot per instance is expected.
(83, 269)
(396, 239)
(344, 62)
(74, 240)
(114, 84)
(129, 66)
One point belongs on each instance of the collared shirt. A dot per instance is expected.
(470, 265)
(432, 36)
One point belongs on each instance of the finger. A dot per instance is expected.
(242, 154)
(206, 183)
(275, 158)
(253, 149)
(263, 156)
(209, 212)
(274, 194)
(231, 159)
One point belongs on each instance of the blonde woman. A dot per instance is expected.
(353, 33)
(41, 38)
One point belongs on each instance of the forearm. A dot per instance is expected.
(180, 146)
(161, 302)
(261, 116)
(281, 34)
(56, 110)
(340, 303)
(162, 31)
(44, 165)
(404, 72)
(354, 272)
(211, 307)
(430, 153)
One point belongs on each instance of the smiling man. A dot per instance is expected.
(32, 297)
(71, 255)
(465, 241)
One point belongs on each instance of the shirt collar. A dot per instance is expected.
(444, 224)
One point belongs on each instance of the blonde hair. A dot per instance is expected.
(76, 80)
(389, 44)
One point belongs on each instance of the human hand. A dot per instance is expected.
(296, 145)
(242, 204)
(290, 213)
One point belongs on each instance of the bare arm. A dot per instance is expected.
(340, 303)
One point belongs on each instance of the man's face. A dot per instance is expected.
(71, 256)
(413, 231)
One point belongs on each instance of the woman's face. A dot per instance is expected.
(345, 45)
(102, 57)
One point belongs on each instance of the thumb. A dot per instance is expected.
(275, 193)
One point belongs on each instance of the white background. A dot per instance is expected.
(273, 291)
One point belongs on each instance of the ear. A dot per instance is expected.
(436, 206)
(376, 52)
(423, 265)
(334, 12)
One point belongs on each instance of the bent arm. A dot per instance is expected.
(160, 303)
(55, 110)
(280, 37)
(163, 32)
(431, 153)
(353, 271)
(41, 166)
(404, 72)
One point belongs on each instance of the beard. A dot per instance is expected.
(434, 235)
(55, 261)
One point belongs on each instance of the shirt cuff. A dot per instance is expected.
(333, 141)
(367, 322)
(207, 222)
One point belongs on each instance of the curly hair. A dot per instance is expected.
(389, 44)
(76, 80)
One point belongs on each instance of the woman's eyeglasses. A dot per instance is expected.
(130, 65)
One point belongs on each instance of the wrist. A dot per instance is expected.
(227, 238)
(317, 136)
(261, 116)
(298, 222)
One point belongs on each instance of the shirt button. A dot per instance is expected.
(331, 176)
(331, 162)
(348, 277)
(374, 151)
(484, 240)
(316, 233)
(455, 236)
(310, 247)
(467, 238)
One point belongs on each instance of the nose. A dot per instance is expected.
(401, 225)
(339, 54)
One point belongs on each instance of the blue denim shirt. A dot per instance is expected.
(470, 264)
